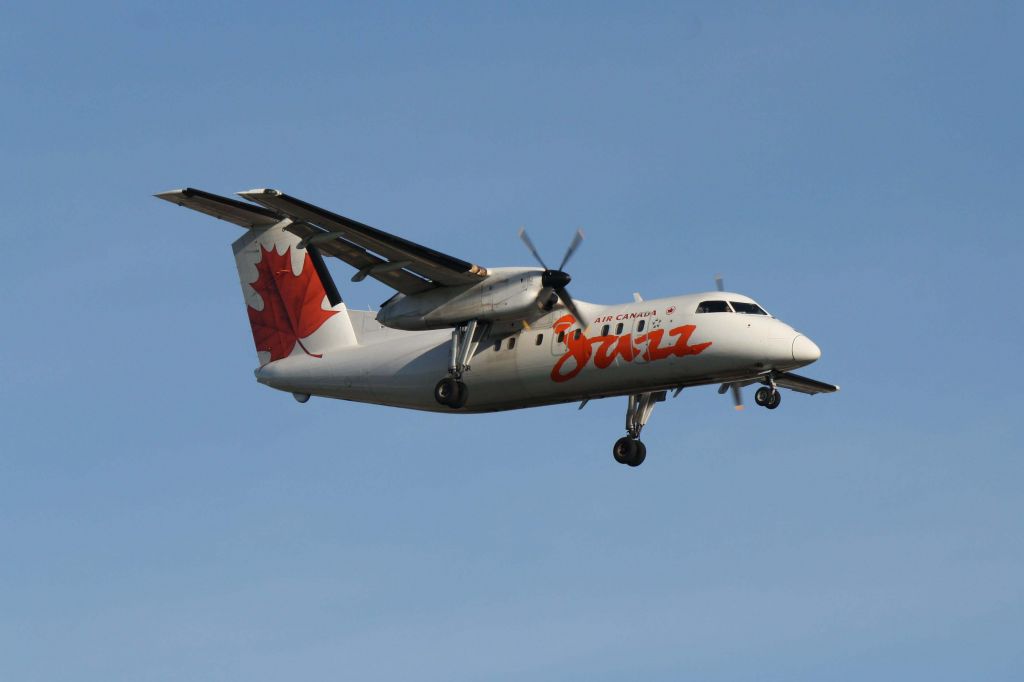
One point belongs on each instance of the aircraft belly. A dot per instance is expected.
(404, 372)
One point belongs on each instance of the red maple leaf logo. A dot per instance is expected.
(292, 304)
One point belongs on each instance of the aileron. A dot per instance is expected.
(231, 210)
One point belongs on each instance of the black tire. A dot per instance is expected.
(762, 396)
(775, 400)
(446, 391)
(640, 456)
(624, 450)
(461, 395)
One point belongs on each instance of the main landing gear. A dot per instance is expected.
(452, 391)
(630, 449)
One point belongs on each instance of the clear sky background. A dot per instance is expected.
(855, 168)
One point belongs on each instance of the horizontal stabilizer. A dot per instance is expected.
(801, 384)
(231, 210)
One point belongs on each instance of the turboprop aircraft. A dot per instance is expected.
(458, 337)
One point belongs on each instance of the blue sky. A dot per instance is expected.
(855, 168)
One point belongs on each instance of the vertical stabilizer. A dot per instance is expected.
(293, 305)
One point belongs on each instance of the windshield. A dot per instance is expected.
(748, 308)
(713, 307)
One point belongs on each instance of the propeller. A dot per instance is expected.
(737, 395)
(558, 280)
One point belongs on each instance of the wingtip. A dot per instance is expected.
(171, 195)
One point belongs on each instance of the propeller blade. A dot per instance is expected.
(737, 396)
(577, 239)
(533, 249)
(719, 283)
(571, 305)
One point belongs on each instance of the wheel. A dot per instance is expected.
(640, 456)
(762, 396)
(775, 400)
(625, 450)
(447, 391)
(461, 395)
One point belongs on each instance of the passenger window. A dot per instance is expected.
(618, 328)
(640, 325)
(540, 339)
(511, 342)
(497, 345)
(576, 334)
(561, 337)
(714, 307)
(605, 329)
(747, 308)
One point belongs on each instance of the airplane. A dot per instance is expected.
(463, 338)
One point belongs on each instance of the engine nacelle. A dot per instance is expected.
(506, 295)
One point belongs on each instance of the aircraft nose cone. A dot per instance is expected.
(805, 350)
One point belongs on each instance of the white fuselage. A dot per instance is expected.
(626, 349)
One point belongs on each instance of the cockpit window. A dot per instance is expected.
(748, 308)
(714, 307)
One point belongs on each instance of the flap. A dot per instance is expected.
(356, 256)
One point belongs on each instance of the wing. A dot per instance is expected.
(353, 241)
(404, 266)
(231, 210)
(803, 384)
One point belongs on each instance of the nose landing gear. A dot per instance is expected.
(768, 396)
(629, 449)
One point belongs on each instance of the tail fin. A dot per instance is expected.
(293, 305)
(292, 302)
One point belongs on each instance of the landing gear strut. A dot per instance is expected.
(630, 449)
(452, 391)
